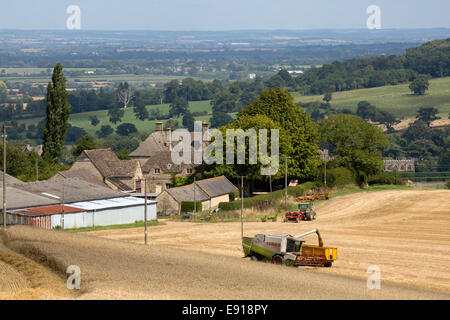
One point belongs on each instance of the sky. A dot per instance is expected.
(215, 15)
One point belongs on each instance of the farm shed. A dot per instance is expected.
(85, 205)
(85, 214)
(110, 212)
(210, 192)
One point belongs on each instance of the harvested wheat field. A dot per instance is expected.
(405, 233)
(23, 278)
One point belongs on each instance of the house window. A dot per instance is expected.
(189, 171)
(138, 185)
(157, 171)
(167, 185)
(169, 165)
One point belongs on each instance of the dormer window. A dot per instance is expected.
(189, 170)
(157, 171)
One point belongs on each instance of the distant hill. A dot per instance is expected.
(397, 100)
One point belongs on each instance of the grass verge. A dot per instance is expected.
(137, 224)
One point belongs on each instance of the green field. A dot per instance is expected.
(132, 79)
(82, 119)
(39, 70)
(396, 99)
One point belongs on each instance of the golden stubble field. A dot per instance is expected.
(406, 233)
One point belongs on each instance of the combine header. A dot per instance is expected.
(281, 248)
(316, 194)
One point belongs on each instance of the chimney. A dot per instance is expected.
(169, 138)
(204, 131)
(159, 127)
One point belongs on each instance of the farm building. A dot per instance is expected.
(72, 203)
(103, 167)
(155, 156)
(210, 192)
(9, 179)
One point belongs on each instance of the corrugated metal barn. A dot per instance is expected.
(75, 204)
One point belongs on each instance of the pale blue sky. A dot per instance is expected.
(222, 14)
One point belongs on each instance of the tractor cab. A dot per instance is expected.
(304, 206)
(304, 212)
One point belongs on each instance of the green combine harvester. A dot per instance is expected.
(282, 248)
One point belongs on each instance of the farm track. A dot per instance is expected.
(406, 233)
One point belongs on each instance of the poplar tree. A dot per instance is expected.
(57, 116)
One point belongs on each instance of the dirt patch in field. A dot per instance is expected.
(403, 124)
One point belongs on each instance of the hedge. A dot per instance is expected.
(426, 176)
(386, 178)
(338, 177)
(263, 200)
(188, 206)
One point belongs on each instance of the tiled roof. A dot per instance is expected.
(122, 168)
(119, 184)
(109, 165)
(186, 193)
(155, 143)
(216, 186)
(204, 189)
(163, 161)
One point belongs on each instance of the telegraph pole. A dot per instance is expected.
(145, 210)
(62, 212)
(37, 169)
(285, 181)
(270, 183)
(4, 176)
(242, 207)
(195, 204)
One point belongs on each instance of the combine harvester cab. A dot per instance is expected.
(282, 248)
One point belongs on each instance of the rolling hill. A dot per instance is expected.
(397, 100)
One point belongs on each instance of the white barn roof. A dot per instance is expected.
(110, 203)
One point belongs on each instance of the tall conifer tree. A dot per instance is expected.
(57, 116)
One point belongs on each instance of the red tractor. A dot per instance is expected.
(304, 213)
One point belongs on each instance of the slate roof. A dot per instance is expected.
(217, 186)
(74, 190)
(122, 168)
(155, 143)
(9, 179)
(79, 174)
(16, 198)
(186, 193)
(204, 190)
(163, 161)
(108, 164)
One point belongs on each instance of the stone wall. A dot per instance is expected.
(399, 165)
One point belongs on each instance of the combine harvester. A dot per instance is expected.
(284, 249)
